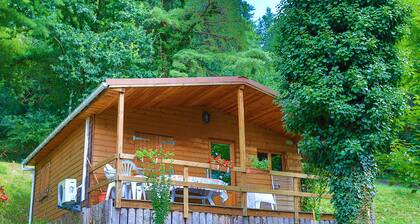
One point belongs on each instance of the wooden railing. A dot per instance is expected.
(296, 193)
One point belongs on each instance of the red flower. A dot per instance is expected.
(4, 198)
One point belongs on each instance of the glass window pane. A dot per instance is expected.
(276, 162)
(262, 156)
(220, 149)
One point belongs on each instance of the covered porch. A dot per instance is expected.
(240, 114)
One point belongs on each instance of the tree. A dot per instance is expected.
(400, 164)
(339, 77)
(263, 25)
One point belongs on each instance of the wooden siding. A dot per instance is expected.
(66, 161)
(106, 213)
(191, 135)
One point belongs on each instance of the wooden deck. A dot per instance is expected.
(107, 213)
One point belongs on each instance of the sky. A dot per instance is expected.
(261, 5)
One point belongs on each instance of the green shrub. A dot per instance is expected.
(259, 164)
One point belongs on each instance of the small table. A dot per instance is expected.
(205, 193)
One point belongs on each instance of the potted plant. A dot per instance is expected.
(217, 163)
(258, 166)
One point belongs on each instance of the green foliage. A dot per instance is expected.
(259, 164)
(254, 63)
(401, 165)
(316, 186)
(27, 131)
(158, 179)
(338, 81)
(220, 149)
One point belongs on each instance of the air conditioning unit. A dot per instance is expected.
(67, 193)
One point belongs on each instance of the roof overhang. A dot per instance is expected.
(105, 95)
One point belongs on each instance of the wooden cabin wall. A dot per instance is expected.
(66, 161)
(192, 136)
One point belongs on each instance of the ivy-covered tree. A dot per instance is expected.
(338, 79)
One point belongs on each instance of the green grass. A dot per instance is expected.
(393, 205)
(396, 205)
(17, 185)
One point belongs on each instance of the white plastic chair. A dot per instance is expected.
(127, 167)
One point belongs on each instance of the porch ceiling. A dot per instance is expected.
(260, 108)
(219, 93)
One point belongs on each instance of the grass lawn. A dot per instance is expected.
(17, 185)
(393, 205)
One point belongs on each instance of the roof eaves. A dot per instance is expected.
(196, 81)
(64, 123)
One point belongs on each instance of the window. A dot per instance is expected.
(275, 161)
(44, 178)
(222, 150)
(262, 156)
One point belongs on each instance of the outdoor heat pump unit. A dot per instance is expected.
(67, 194)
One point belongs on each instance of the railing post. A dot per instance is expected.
(186, 200)
(296, 199)
(120, 142)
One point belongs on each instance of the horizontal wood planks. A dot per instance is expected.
(66, 161)
(259, 106)
(191, 135)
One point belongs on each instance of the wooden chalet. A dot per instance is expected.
(192, 116)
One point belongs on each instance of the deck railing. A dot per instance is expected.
(241, 188)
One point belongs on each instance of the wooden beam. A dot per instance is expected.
(120, 123)
(99, 185)
(120, 143)
(228, 188)
(241, 126)
(293, 174)
(177, 162)
(103, 163)
(296, 203)
(244, 196)
(186, 200)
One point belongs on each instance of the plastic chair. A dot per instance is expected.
(127, 168)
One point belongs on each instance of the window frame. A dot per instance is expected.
(232, 157)
(269, 158)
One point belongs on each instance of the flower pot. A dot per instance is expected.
(215, 167)
(256, 171)
(101, 197)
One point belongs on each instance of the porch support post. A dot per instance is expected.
(242, 147)
(241, 126)
(120, 143)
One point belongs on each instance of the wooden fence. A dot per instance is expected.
(106, 213)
